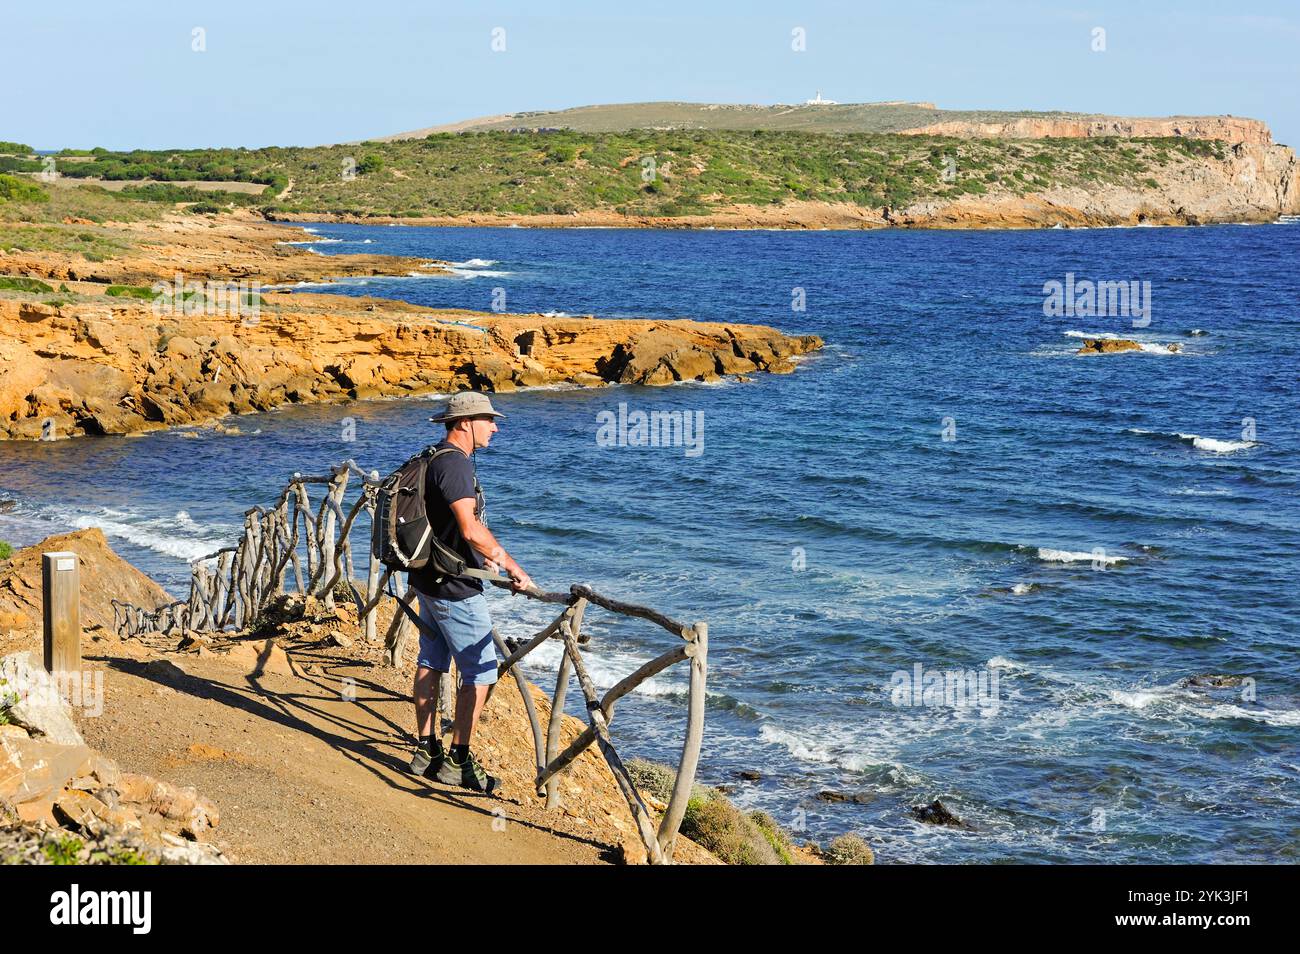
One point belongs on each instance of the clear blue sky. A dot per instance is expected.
(121, 73)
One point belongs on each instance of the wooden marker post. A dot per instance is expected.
(61, 599)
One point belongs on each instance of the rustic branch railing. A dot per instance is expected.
(316, 545)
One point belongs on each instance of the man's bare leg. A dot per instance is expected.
(469, 706)
(427, 685)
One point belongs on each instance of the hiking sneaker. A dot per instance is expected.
(468, 774)
(428, 759)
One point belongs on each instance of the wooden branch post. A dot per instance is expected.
(61, 599)
(574, 623)
(598, 722)
(527, 695)
(698, 649)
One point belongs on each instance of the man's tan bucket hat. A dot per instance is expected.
(466, 404)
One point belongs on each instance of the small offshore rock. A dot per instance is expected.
(1108, 346)
(1210, 681)
(937, 813)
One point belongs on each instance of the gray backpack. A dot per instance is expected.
(402, 537)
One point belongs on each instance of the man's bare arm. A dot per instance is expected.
(481, 539)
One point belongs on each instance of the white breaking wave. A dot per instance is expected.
(1217, 446)
(1211, 444)
(839, 748)
(330, 241)
(478, 273)
(1176, 701)
(1076, 556)
(1267, 716)
(476, 268)
(556, 386)
(178, 536)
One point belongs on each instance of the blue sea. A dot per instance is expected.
(945, 492)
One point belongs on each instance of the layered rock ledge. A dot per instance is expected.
(98, 364)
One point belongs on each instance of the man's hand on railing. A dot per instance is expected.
(519, 580)
(501, 562)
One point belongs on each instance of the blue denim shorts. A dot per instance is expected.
(464, 630)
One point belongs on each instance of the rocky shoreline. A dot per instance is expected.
(93, 363)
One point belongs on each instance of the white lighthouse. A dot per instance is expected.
(818, 101)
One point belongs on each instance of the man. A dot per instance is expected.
(454, 608)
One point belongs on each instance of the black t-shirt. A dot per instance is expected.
(450, 477)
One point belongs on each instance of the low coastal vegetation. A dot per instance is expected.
(14, 189)
(636, 172)
(737, 837)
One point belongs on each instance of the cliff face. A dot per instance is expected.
(1230, 129)
(1252, 183)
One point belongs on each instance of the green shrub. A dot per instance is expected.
(6, 550)
(15, 148)
(776, 836)
(651, 778)
(714, 823)
(369, 164)
(15, 283)
(129, 291)
(14, 164)
(13, 189)
(562, 153)
(62, 850)
(849, 850)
